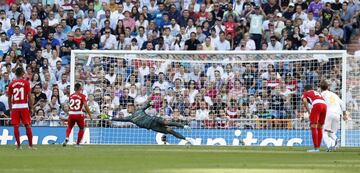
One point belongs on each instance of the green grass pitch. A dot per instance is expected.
(176, 159)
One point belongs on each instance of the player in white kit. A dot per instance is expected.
(335, 109)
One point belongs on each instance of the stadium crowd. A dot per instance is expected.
(39, 37)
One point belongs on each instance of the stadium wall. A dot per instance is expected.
(228, 137)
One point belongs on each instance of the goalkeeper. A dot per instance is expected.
(158, 124)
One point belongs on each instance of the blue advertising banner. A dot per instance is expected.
(230, 137)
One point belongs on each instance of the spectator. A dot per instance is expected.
(192, 43)
(202, 112)
(37, 94)
(256, 21)
(274, 44)
(40, 118)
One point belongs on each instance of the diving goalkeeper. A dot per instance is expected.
(140, 118)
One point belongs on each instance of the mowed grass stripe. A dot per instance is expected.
(143, 159)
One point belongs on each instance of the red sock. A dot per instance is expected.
(314, 136)
(29, 135)
(68, 131)
(320, 135)
(80, 136)
(17, 134)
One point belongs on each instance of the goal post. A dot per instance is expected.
(249, 96)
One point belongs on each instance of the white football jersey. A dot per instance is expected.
(335, 106)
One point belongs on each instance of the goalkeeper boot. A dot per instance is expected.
(314, 150)
(186, 127)
(163, 139)
(65, 142)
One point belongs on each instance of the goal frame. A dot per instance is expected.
(300, 52)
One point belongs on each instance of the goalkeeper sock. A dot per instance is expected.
(80, 136)
(314, 136)
(29, 135)
(319, 135)
(175, 124)
(176, 134)
(17, 135)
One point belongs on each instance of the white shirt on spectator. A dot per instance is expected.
(139, 100)
(202, 114)
(53, 22)
(52, 62)
(307, 24)
(89, 88)
(189, 30)
(175, 30)
(304, 47)
(183, 77)
(111, 79)
(211, 72)
(17, 38)
(220, 28)
(62, 86)
(213, 40)
(5, 24)
(127, 7)
(279, 26)
(116, 15)
(26, 9)
(302, 16)
(144, 24)
(227, 76)
(278, 46)
(4, 99)
(312, 40)
(192, 96)
(35, 23)
(46, 54)
(163, 86)
(141, 40)
(143, 71)
(110, 42)
(168, 39)
(4, 46)
(225, 45)
(100, 14)
(250, 45)
(177, 46)
(87, 21)
(94, 107)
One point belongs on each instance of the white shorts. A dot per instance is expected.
(332, 122)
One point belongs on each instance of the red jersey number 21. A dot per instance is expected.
(18, 94)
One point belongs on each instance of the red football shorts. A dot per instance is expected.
(318, 114)
(20, 114)
(78, 119)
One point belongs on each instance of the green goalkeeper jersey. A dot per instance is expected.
(140, 118)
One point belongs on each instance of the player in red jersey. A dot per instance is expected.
(20, 101)
(77, 102)
(317, 114)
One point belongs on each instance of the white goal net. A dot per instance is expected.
(227, 98)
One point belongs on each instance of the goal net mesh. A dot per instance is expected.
(227, 98)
